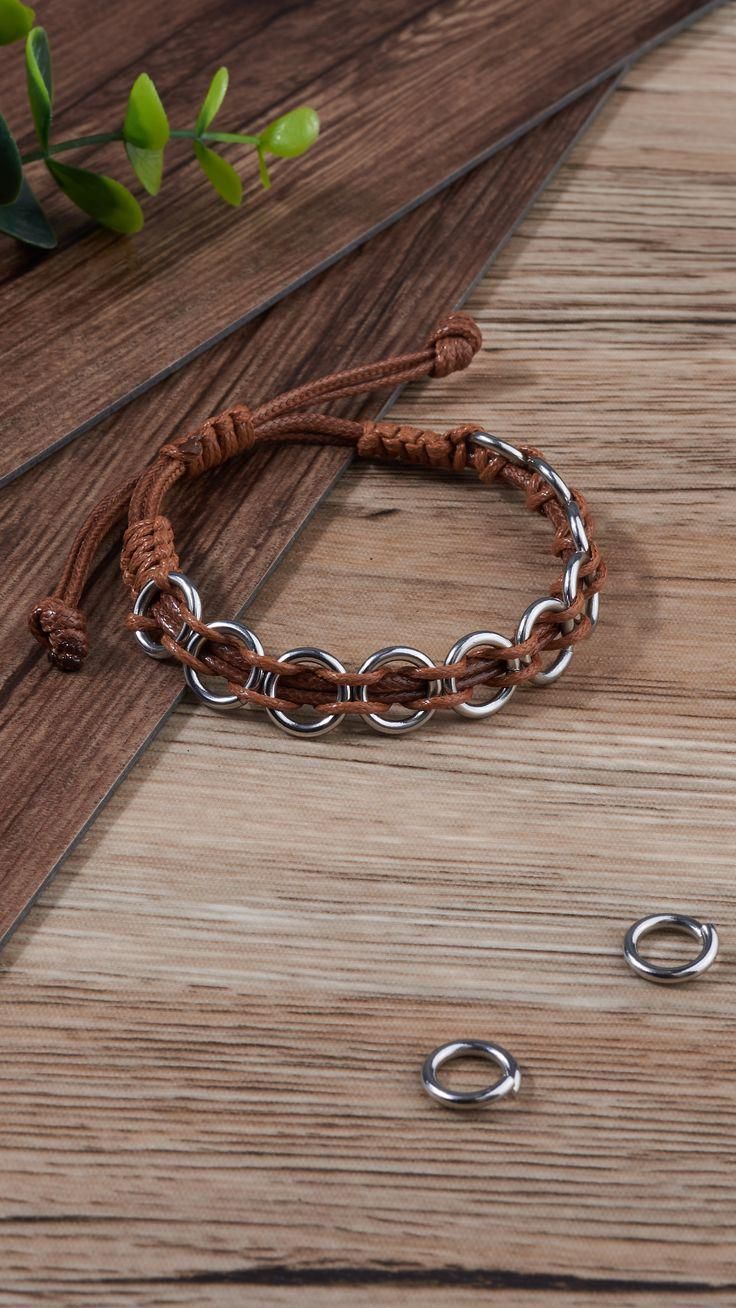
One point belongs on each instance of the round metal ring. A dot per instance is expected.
(499, 446)
(193, 679)
(507, 1084)
(305, 654)
(552, 478)
(529, 619)
(476, 640)
(704, 932)
(571, 577)
(577, 527)
(153, 648)
(571, 586)
(403, 654)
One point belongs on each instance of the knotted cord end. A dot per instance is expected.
(456, 340)
(62, 630)
(218, 439)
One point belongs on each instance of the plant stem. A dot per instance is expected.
(102, 138)
(236, 137)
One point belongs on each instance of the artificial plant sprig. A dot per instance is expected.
(144, 133)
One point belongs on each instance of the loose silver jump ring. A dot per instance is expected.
(508, 1083)
(476, 640)
(490, 442)
(404, 654)
(305, 654)
(529, 619)
(704, 933)
(153, 648)
(193, 679)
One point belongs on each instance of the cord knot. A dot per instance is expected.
(62, 630)
(446, 451)
(148, 551)
(218, 439)
(456, 340)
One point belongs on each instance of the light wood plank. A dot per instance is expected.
(213, 1024)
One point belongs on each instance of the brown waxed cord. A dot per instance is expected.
(149, 551)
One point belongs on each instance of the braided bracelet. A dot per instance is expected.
(167, 609)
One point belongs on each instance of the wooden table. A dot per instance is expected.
(213, 1023)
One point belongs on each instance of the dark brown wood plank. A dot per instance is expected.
(411, 96)
(68, 739)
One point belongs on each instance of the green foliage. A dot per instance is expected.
(101, 197)
(25, 220)
(263, 172)
(292, 134)
(221, 174)
(212, 101)
(16, 21)
(146, 124)
(145, 133)
(40, 85)
(148, 166)
(11, 169)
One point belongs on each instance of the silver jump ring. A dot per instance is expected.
(704, 932)
(552, 478)
(565, 497)
(577, 527)
(153, 648)
(476, 640)
(571, 577)
(403, 654)
(507, 1084)
(490, 442)
(529, 619)
(571, 586)
(306, 654)
(193, 679)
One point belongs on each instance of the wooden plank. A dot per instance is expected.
(70, 738)
(398, 89)
(211, 1025)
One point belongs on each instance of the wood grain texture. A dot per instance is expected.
(398, 90)
(69, 739)
(212, 1025)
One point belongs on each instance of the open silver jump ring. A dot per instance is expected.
(507, 1084)
(704, 932)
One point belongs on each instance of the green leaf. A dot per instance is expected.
(292, 133)
(212, 101)
(146, 124)
(221, 174)
(101, 197)
(16, 21)
(40, 86)
(11, 169)
(26, 221)
(148, 166)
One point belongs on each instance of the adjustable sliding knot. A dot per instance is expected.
(444, 451)
(148, 551)
(62, 630)
(218, 439)
(455, 342)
